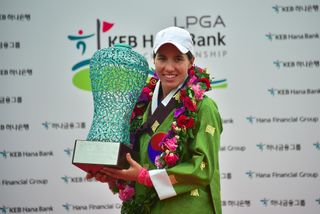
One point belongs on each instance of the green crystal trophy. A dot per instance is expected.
(117, 76)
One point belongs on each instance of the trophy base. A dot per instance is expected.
(92, 156)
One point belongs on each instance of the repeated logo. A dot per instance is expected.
(25, 181)
(64, 125)
(291, 36)
(275, 119)
(20, 17)
(286, 91)
(278, 147)
(4, 154)
(72, 180)
(25, 154)
(236, 203)
(317, 146)
(68, 151)
(265, 202)
(83, 207)
(275, 175)
(11, 100)
(279, 64)
(35, 209)
(227, 121)
(10, 45)
(306, 8)
(4, 209)
(318, 200)
(15, 127)
(226, 175)
(231, 148)
(14, 72)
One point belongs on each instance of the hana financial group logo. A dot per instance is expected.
(272, 91)
(81, 78)
(4, 154)
(67, 206)
(65, 179)
(46, 125)
(68, 151)
(250, 173)
(269, 36)
(251, 119)
(261, 146)
(317, 146)
(264, 202)
(277, 63)
(276, 8)
(318, 200)
(4, 209)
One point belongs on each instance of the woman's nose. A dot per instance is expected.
(170, 66)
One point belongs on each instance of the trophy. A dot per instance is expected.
(117, 76)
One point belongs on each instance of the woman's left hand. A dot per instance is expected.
(130, 174)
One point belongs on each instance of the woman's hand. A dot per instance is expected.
(130, 174)
(99, 177)
(104, 179)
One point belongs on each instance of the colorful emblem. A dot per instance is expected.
(154, 147)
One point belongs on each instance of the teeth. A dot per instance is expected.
(170, 75)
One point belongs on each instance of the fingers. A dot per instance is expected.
(99, 177)
(102, 177)
(132, 162)
(107, 173)
(89, 176)
(113, 173)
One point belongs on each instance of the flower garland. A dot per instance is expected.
(184, 118)
(181, 128)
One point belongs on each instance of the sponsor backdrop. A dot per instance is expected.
(264, 56)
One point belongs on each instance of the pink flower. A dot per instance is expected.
(171, 159)
(171, 144)
(198, 92)
(192, 80)
(158, 162)
(127, 193)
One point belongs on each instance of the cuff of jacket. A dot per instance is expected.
(162, 183)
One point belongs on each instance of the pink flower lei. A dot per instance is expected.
(184, 117)
(184, 120)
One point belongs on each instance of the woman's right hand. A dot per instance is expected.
(99, 177)
(103, 179)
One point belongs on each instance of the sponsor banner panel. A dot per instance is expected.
(263, 59)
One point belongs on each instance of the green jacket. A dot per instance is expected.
(196, 178)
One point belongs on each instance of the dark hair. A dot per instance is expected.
(189, 55)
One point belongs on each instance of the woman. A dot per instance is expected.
(177, 131)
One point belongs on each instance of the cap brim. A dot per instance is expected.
(180, 47)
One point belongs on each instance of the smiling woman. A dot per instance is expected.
(176, 130)
(171, 67)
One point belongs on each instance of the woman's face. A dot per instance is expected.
(171, 67)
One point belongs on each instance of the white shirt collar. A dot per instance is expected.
(165, 101)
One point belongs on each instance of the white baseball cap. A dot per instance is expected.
(179, 37)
